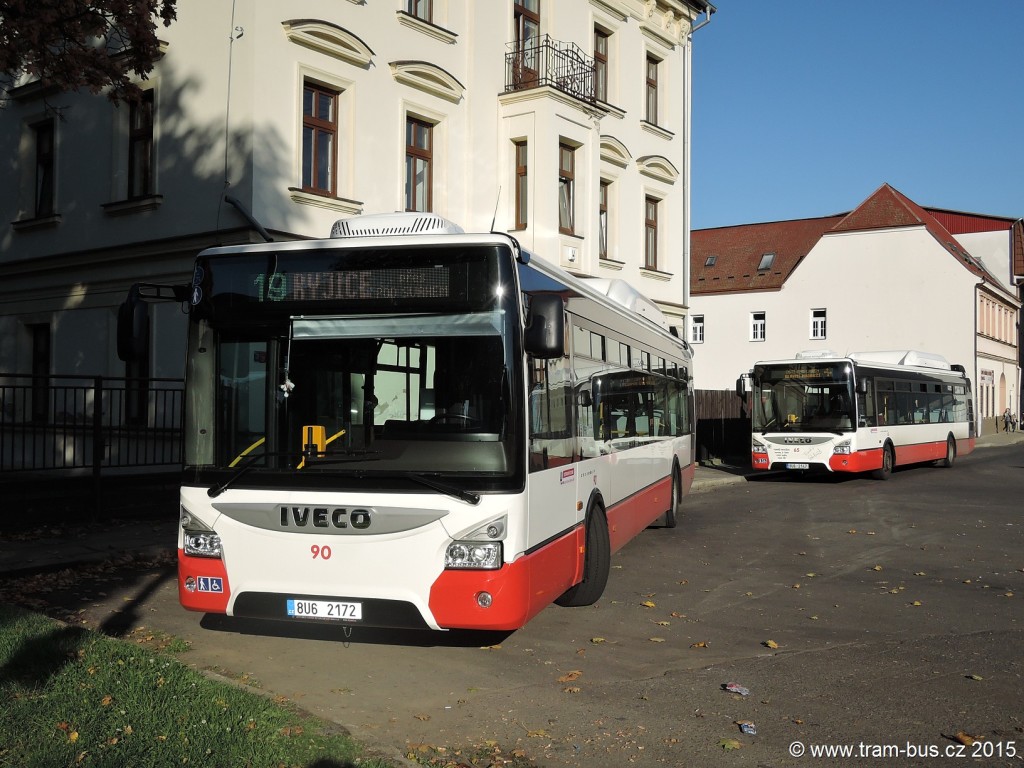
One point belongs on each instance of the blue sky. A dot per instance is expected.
(804, 108)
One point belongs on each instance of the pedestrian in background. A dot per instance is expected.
(1006, 420)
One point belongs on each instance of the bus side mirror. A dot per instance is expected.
(862, 386)
(545, 327)
(132, 327)
(586, 401)
(741, 388)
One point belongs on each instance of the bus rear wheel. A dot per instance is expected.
(950, 453)
(883, 472)
(597, 560)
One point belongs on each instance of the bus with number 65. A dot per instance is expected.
(405, 425)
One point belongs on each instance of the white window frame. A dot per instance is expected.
(697, 329)
(758, 326)
(819, 324)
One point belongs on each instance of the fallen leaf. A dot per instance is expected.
(663, 623)
(424, 718)
(539, 733)
(796, 586)
(964, 738)
(975, 677)
(676, 615)
(597, 640)
(491, 647)
(648, 604)
(770, 644)
(656, 639)
(917, 602)
(73, 737)
(700, 644)
(568, 677)
(810, 575)
(729, 744)
(852, 530)
(571, 689)
(920, 573)
(877, 568)
(107, 701)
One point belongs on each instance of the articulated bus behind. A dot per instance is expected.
(865, 412)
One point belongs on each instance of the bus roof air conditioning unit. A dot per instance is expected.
(394, 224)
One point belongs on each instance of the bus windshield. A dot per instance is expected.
(803, 397)
(345, 387)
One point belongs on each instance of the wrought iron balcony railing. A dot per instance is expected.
(541, 61)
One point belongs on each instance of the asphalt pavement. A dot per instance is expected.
(50, 546)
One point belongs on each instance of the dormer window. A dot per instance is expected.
(710, 260)
(766, 262)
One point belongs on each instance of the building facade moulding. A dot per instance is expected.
(614, 151)
(657, 167)
(428, 77)
(329, 39)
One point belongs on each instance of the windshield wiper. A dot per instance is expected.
(216, 490)
(449, 490)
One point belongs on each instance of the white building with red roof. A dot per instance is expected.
(888, 275)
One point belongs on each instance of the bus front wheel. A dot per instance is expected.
(597, 560)
(883, 472)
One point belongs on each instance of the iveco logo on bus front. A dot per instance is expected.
(797, 440)
(322, 517)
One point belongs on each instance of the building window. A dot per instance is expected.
(651, 232)
(766, 262)
(526, 21)
(652, 90)
(522, 185)
(421, 9)
(602, 219)
(818, 323)
(757, 326)
(601, 64)
(566, 183)
(697, 329)
(44, 198)
(319, 139)
(418, 161)
(140, 147)
(710, 260)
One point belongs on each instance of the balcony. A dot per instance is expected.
(541, 61)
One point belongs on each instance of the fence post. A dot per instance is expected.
(97, 444)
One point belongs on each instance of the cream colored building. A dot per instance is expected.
(564, 123)
(888, 275)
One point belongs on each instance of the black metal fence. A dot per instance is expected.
(541, 61)
(89, 424)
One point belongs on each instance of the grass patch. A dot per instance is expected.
(72, 697)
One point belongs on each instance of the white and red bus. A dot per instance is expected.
(868, 411)
(409, 426)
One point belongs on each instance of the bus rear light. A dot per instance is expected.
(476, 555)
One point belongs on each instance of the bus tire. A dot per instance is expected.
(597, 561)
(950, 453)
(888, 460)
(675, 508)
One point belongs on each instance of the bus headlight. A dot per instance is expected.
(477, 555)
(200, 540)
(843, 447)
